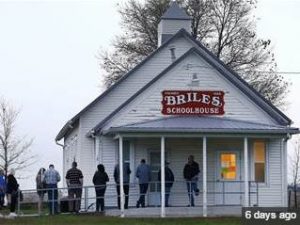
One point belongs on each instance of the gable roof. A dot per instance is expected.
(202, 124)
(231, 75)
(217, 64)
(70, 124)
(174, 12)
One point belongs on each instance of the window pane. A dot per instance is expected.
(126, 151)
(259, 151)
(259, 172)
(228, 166)
(259, 161)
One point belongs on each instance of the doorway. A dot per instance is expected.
(228, 178)
(154, 187)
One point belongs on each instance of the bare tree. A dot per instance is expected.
(295, 167)
(14, 151)
(225, 27)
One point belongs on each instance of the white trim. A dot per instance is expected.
(284, 173)
(246, 183)
(192, 135)
(204, 158)
(132, 161)
(252, 164)
(97, 150)
(121, 175)
(238, 164)
(162, 169)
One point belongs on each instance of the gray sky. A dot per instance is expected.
(49, 69)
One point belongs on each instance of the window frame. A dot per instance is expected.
(238, 165)
(266, 180)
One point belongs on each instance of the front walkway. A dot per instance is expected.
(212, 211)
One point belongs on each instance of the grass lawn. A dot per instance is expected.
(98, 219)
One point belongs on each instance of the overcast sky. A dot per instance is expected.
(49, 68)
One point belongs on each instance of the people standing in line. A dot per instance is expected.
(99, 180)
(126, 181)
(143, 173)
(52, 177)
(2, 188)
(74, 179)
(40, 187)
(12, 192)
(190, 174)
(169, 180)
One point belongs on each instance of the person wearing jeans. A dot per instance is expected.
(192, 188)
(143, 173)
(190, 174)
(52, 177)
(52, 198)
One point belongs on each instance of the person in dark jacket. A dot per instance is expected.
(190, 174)
(99, 180)
(169, 180)
(40, 187)
(126, 180)
(12, 191)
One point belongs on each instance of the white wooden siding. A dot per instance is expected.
(70, 151)
(172, 26)
(271, 193)
(119, 95)
(148, 104)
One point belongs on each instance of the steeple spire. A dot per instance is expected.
(174, 19)
(174, 12)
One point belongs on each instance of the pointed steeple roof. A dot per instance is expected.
(174, 12)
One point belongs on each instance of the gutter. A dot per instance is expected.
(56, 142)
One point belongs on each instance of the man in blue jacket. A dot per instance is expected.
(143, 173)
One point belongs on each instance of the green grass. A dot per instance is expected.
(98, 219)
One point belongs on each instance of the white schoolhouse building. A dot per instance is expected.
(179, 101)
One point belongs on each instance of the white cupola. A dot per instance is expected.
(174, 19)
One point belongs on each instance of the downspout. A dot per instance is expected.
(56, 142)
(63, 147)
(286, 169)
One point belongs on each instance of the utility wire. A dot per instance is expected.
(280, 72)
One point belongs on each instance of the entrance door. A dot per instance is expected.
(154, 188)
(228, 182)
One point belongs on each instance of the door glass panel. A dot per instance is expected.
(228, 166)
(126, 152)
(155, 166)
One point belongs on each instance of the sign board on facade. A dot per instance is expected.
(192, 102)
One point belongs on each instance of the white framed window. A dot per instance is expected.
(126, 151)
(259, 161)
